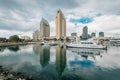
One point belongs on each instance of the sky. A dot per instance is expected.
(22, 17)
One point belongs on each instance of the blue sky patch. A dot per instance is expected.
(83, 20)
(99, 14)
(84, 63)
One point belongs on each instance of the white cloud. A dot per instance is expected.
(7, 33)
(23, 17)
(52, 28)
(106, 23)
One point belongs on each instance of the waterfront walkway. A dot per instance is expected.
(13, 44)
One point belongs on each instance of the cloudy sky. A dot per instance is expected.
(22, 17)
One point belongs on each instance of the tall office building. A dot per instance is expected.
(85, 33)
(101, 34)
(60, 25)
(44, 28)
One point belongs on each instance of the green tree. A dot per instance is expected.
(14, 38)
(67, 39)
(55, 39)
(61, 39)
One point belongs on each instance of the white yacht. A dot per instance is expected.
(86, 44)
(48, 43)
(115, 42)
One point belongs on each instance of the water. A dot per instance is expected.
(61, 63)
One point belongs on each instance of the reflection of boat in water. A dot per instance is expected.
(85, 51)
(86, 44)
(85, 57)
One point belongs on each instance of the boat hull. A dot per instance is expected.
(85, 47)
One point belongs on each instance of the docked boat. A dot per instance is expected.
(85, 51)
(53, 43)
(48, 43)
(86, 44)
(115, 42)
(44, 43)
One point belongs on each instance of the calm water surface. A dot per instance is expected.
(61, 63)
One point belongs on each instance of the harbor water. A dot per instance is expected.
(61, 63)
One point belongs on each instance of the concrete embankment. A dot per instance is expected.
(13, 44)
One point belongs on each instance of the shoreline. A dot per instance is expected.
(22, 43)
(5, 74)
(14, 44)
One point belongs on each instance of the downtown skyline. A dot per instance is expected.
(22, 17)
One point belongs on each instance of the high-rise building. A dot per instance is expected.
(36, 35)
(44, 28)
(93, 34)
(101, 34)
(60, 25)
(85, 33)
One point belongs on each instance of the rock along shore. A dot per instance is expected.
(8, 75)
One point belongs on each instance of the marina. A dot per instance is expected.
(59, 40)
(86, 44)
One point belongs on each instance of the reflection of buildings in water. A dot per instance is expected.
(44, 52)
(86, 55)
(37, 48)
(44, 56)
(60, 59)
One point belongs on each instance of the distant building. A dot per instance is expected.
(60, 25)
(101, 34)
(25, 37)
(44, 28)
(74, 34)
(93, 34)
(36, 35)
(85, 33)
(89, 36)
(3, 39)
